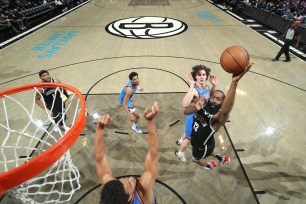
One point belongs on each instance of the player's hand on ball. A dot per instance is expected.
(237, 77)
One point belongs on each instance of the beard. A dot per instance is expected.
(212, 109)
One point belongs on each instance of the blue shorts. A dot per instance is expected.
(188, 125)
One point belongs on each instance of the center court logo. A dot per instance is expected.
(146, 27)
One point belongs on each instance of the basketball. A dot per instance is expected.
(234, 59)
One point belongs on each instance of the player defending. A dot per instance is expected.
(209, 117)
(126, 100)
(56, 108)
(129, 189)
(198, 88)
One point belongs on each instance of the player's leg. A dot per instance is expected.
(180, 153)
(59, 117)
(198, 156)
(186, 142)
(135, 126)
(188, 129)
(182, 138)
(223, 159)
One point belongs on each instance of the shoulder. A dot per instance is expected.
(195, 92)
(206, 87)
(40, 90)
(145, 186)
(128, 89)
(106, 178)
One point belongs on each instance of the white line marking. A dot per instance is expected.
(235, 15)
(281, 42)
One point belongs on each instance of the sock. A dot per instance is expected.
(219, 157)
(181, 140)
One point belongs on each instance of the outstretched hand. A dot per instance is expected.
(238, 76)
(213, 80)
(151, 115)
(103, 121)
(190, 80)
(199, 103)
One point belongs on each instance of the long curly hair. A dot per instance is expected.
(197, 68)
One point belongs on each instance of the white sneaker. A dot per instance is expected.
(56, 129)
(136, 128)
(181, 156)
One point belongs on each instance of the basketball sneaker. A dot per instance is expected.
(181, 156)
(210, 165)
(177, 143)
(136, 128)
(56, 129)
(225, 160)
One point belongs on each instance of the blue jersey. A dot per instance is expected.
(189, 118)
(122, 94)
(137, 200)
(203, 92)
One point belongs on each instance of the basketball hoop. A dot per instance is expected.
(51, 148)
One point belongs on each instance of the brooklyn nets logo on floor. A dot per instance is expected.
(146, 27)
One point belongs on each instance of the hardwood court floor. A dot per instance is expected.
(267, 120)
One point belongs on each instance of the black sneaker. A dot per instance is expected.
(177, 143)
(274, 60)
(286, 60)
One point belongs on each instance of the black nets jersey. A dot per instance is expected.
(51, 94)
(202, 132)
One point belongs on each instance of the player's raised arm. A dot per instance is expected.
(190, 93)
(102, 165)
(221, 118)
(149, 175)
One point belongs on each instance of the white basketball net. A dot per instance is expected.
(26, 131)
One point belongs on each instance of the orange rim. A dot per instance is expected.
(26, 171)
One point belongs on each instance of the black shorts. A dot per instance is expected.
(201, 152)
